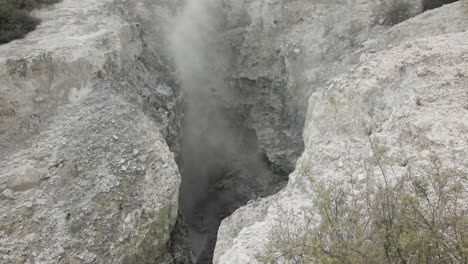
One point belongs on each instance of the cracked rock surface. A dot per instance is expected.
(90, 113)
(86, 175)
(405, 81)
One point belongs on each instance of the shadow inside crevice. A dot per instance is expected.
(432, 4)
(223, 168)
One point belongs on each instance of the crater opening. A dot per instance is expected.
(432, 4)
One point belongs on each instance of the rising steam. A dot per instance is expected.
(201, 61)
(220, 155)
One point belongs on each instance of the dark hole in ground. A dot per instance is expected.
(432, 4)
(223, 168)
(233, 189)
(396, 12)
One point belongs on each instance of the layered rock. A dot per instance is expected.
(401, 86)
(86, 175)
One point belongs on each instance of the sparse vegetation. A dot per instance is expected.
(414, 217)
(15, 18)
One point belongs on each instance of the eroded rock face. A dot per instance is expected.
(283, 51)
(89, 112)
(86, 175)
(406, 82)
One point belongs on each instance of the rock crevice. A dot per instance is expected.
(131, 130)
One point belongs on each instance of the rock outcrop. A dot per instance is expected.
(400, 86)
(283, 51)
(91, 114)
(86, 109)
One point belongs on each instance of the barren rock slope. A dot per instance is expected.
(86, 175)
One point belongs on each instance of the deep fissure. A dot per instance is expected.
(238, 139)
(221, 174)
(225, 159)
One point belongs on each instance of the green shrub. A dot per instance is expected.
(15, 23)
(411, 219)
(15, 18)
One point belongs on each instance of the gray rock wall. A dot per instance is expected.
(406, 81)
(86, 111)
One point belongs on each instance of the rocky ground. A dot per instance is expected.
(404, 82)
(86, 174)
(91, 119)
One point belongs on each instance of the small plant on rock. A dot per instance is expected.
(416, 217)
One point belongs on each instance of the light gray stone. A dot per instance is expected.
(380, 90)
(70, 109)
